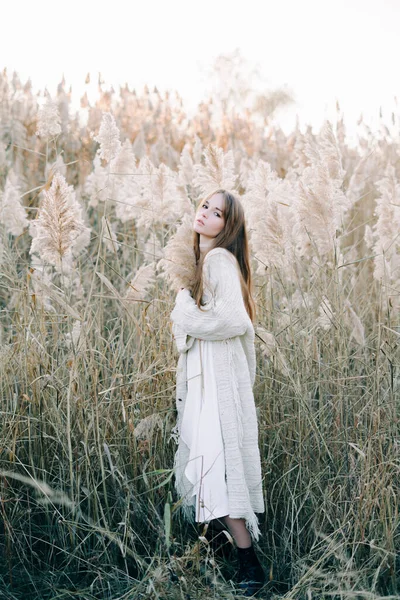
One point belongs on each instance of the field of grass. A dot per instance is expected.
(88, 508)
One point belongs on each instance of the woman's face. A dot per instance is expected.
(210, 216)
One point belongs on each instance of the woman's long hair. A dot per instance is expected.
(233, 237)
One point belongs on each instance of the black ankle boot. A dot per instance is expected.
(251, 576)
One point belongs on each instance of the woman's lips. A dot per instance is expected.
(200, 221)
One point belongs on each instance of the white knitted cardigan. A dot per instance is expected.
(224, 321)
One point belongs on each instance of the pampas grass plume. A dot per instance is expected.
(144, 430)
(179, 262)
(387, 227)
(186, 167)
(218, 171)
(326, 314)
(48, 119)
(108, 138)
(12, 213)
(58, 224)
(142, 281)
(96, 185)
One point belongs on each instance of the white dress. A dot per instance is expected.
(201, 432)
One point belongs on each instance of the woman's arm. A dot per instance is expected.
(183, 341)
(225, 316)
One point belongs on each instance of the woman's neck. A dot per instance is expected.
(205, 244)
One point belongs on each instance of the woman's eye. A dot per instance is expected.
(218, 215)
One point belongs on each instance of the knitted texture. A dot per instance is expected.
(224, 321)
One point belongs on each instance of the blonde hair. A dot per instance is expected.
(233, 237)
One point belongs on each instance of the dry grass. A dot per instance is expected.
(87, 371)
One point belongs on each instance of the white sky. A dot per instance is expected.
(323, 50)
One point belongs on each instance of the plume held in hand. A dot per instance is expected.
(58, 225)
(179, 262)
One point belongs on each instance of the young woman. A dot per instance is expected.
(217, 463)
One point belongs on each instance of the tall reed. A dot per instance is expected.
(88, 362)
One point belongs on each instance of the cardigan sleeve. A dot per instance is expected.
(225, 315)
(182, 340)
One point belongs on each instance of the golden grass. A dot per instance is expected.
(87, 503)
